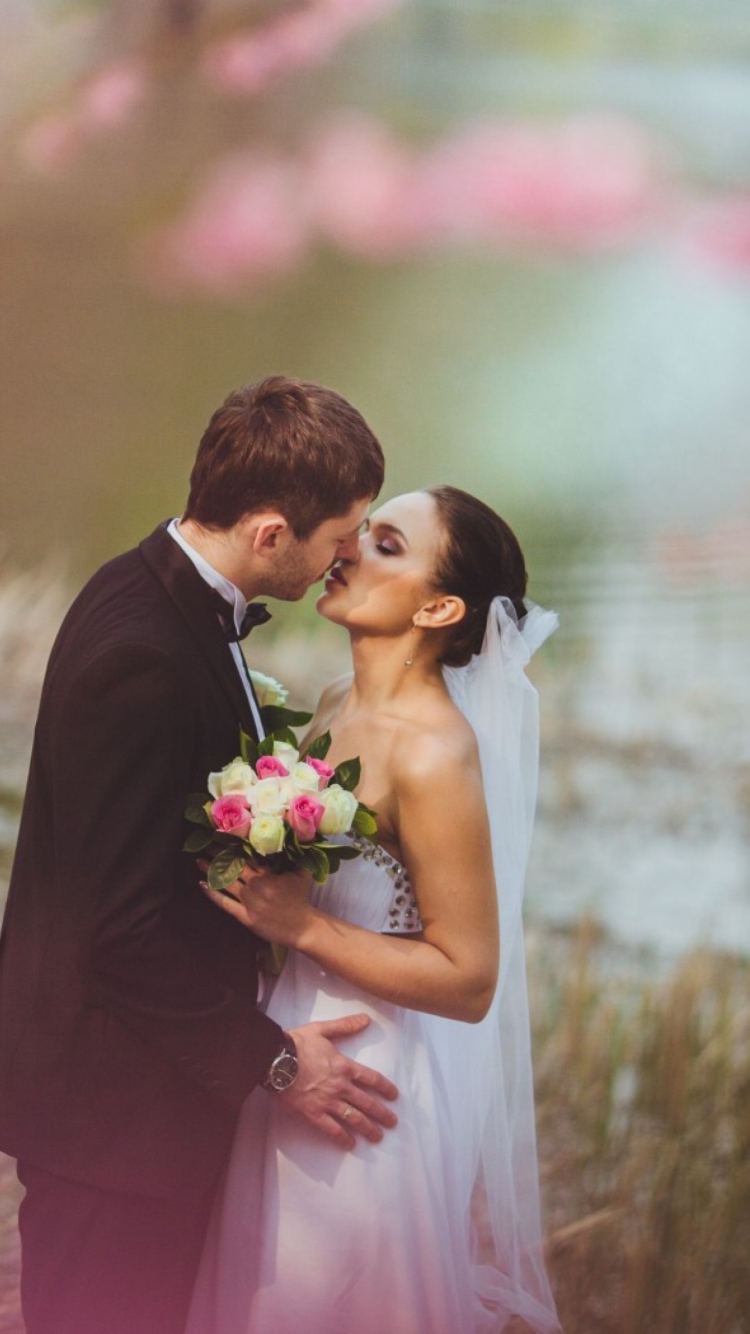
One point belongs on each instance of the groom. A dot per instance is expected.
(129, 1029)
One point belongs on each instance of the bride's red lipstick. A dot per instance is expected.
(335, 576)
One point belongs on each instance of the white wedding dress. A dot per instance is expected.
(435, 1230)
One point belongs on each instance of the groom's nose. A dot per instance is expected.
(348, 550)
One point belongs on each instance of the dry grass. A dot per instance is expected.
(643, 1108)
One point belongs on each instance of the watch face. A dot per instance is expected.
(283, 1071)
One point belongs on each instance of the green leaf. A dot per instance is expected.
(348, 774)
(316, 861)
(285, 734)
(266, 746)
(276, 717)
(248, 748)
(343, 852)
(225, 868)
(228, 840)
(333, 862)
(196, 809)
(198, 840)
(320, 747)
(364, 822)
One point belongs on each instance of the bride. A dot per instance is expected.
(435, 1230)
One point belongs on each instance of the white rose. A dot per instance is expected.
(340, 808)
(286, 753)
(268, 689)
(234, 777)
(267, 834)
(269, 796)
(305, 778)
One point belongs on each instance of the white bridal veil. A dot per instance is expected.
(488, 1074)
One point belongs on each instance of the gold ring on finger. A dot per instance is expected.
(347, 1112)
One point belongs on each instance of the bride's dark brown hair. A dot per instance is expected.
(480, 559)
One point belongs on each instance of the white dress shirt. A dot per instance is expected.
(236, 600)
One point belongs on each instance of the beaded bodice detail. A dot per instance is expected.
(403, 913)
(372, 890)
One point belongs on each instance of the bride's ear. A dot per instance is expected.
(443, 611)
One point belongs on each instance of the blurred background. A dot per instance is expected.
(517, 237)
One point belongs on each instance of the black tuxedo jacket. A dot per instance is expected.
(129, 1030)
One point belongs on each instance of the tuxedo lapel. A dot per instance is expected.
(182, 582)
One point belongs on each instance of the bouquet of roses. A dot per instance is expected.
(274, 807)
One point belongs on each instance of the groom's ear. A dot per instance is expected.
(441, 612)
(267, 531)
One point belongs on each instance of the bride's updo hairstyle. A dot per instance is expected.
(479, 560)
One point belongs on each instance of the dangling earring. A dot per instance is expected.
(409, 659)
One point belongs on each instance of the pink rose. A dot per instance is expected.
(324, 771)
(304, 815)
(231, 815)
(269, 766)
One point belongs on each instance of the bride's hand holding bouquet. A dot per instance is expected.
(276, 809)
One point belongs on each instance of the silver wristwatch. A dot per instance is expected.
(284, 1067)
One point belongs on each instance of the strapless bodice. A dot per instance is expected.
(373, 891)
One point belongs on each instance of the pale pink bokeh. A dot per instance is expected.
(243, 226)
(580, 183)
(109, 99)
(50, 145)
(719, 232)
(360, 188)
(718, 555)
(106, 102)
(249, 62)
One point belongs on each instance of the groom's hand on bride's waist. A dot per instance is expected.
(340, 1097)
(337, 1096)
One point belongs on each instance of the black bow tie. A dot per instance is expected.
(257, 613)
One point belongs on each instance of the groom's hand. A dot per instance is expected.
(338, 1096)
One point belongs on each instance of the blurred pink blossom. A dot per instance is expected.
(720, 555)
(110, 98)
(720, 232)
(106, 102)
(51, 143)
(250, 62)
(360, 188)
(243, 226)
(357, 13)
(579, 183)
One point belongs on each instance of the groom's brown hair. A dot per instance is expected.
(287, 445)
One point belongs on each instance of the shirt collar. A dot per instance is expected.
(229, 591)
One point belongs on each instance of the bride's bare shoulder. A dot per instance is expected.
(444, 743)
